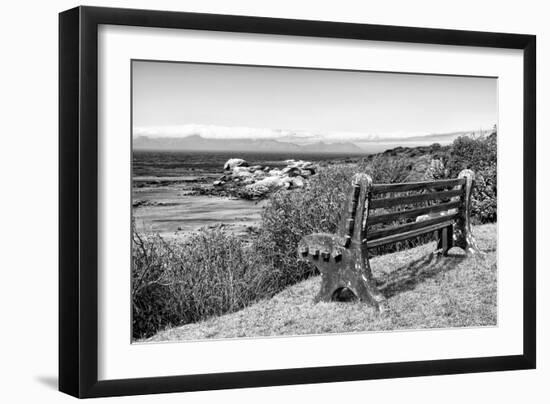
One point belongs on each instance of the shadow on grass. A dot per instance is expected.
(409, 276)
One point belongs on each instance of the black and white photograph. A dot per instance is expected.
(275, 201)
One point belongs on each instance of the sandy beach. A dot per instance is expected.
(173, 210)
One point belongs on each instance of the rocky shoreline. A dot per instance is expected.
(242, 180)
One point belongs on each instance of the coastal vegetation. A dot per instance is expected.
(212, 272)
(423, 290)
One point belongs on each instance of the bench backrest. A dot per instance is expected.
(371, 220)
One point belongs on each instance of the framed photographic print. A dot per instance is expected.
(251, 201)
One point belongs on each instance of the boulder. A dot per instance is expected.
(273, 182)
(297, 182)
(299, 163)
(264, 186)
(239, 170)
(243, 176)
(241, 173)
(259, 181)
(287, 182)
(232, 163)
(259, 174)
(290, 171)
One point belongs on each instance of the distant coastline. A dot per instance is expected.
(199, 143)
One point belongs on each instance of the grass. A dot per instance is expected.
(423, 290)
(212, 273)
(207, 274)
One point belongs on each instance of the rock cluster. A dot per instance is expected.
(257, 180)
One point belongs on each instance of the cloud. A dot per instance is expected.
(232, 132)
(210, 131)
(283, 135)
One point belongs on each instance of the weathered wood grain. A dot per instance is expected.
(407, 235)
(414, 186)
(393, 216)
(342, 258)
(388, 231)
(410, 199)
(463, 236)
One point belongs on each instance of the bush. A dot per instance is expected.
(484, 196)
(212, 272)
(208, 274)
(316, 209)
(473, 153)
(291, 215)
(388, 170)
(479, 155)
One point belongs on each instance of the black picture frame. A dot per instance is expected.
(78, 201)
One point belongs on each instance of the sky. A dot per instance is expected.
(304, 105)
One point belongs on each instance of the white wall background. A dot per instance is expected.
(28, 203)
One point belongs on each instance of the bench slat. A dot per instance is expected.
(408, 199)
(407, 235)
(412, 186)
(375, 234)
(389, 217)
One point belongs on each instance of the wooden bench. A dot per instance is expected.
(342, 258)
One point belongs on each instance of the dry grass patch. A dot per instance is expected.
(424, 290)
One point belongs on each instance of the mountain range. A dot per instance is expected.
(199, 143)
(266, 145)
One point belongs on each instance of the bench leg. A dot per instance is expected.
(446, 244)
(352, 272)
(366, 287)
(463, 236)
(329, 284)
(445, 239)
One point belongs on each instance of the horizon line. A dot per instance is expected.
(289, 136)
